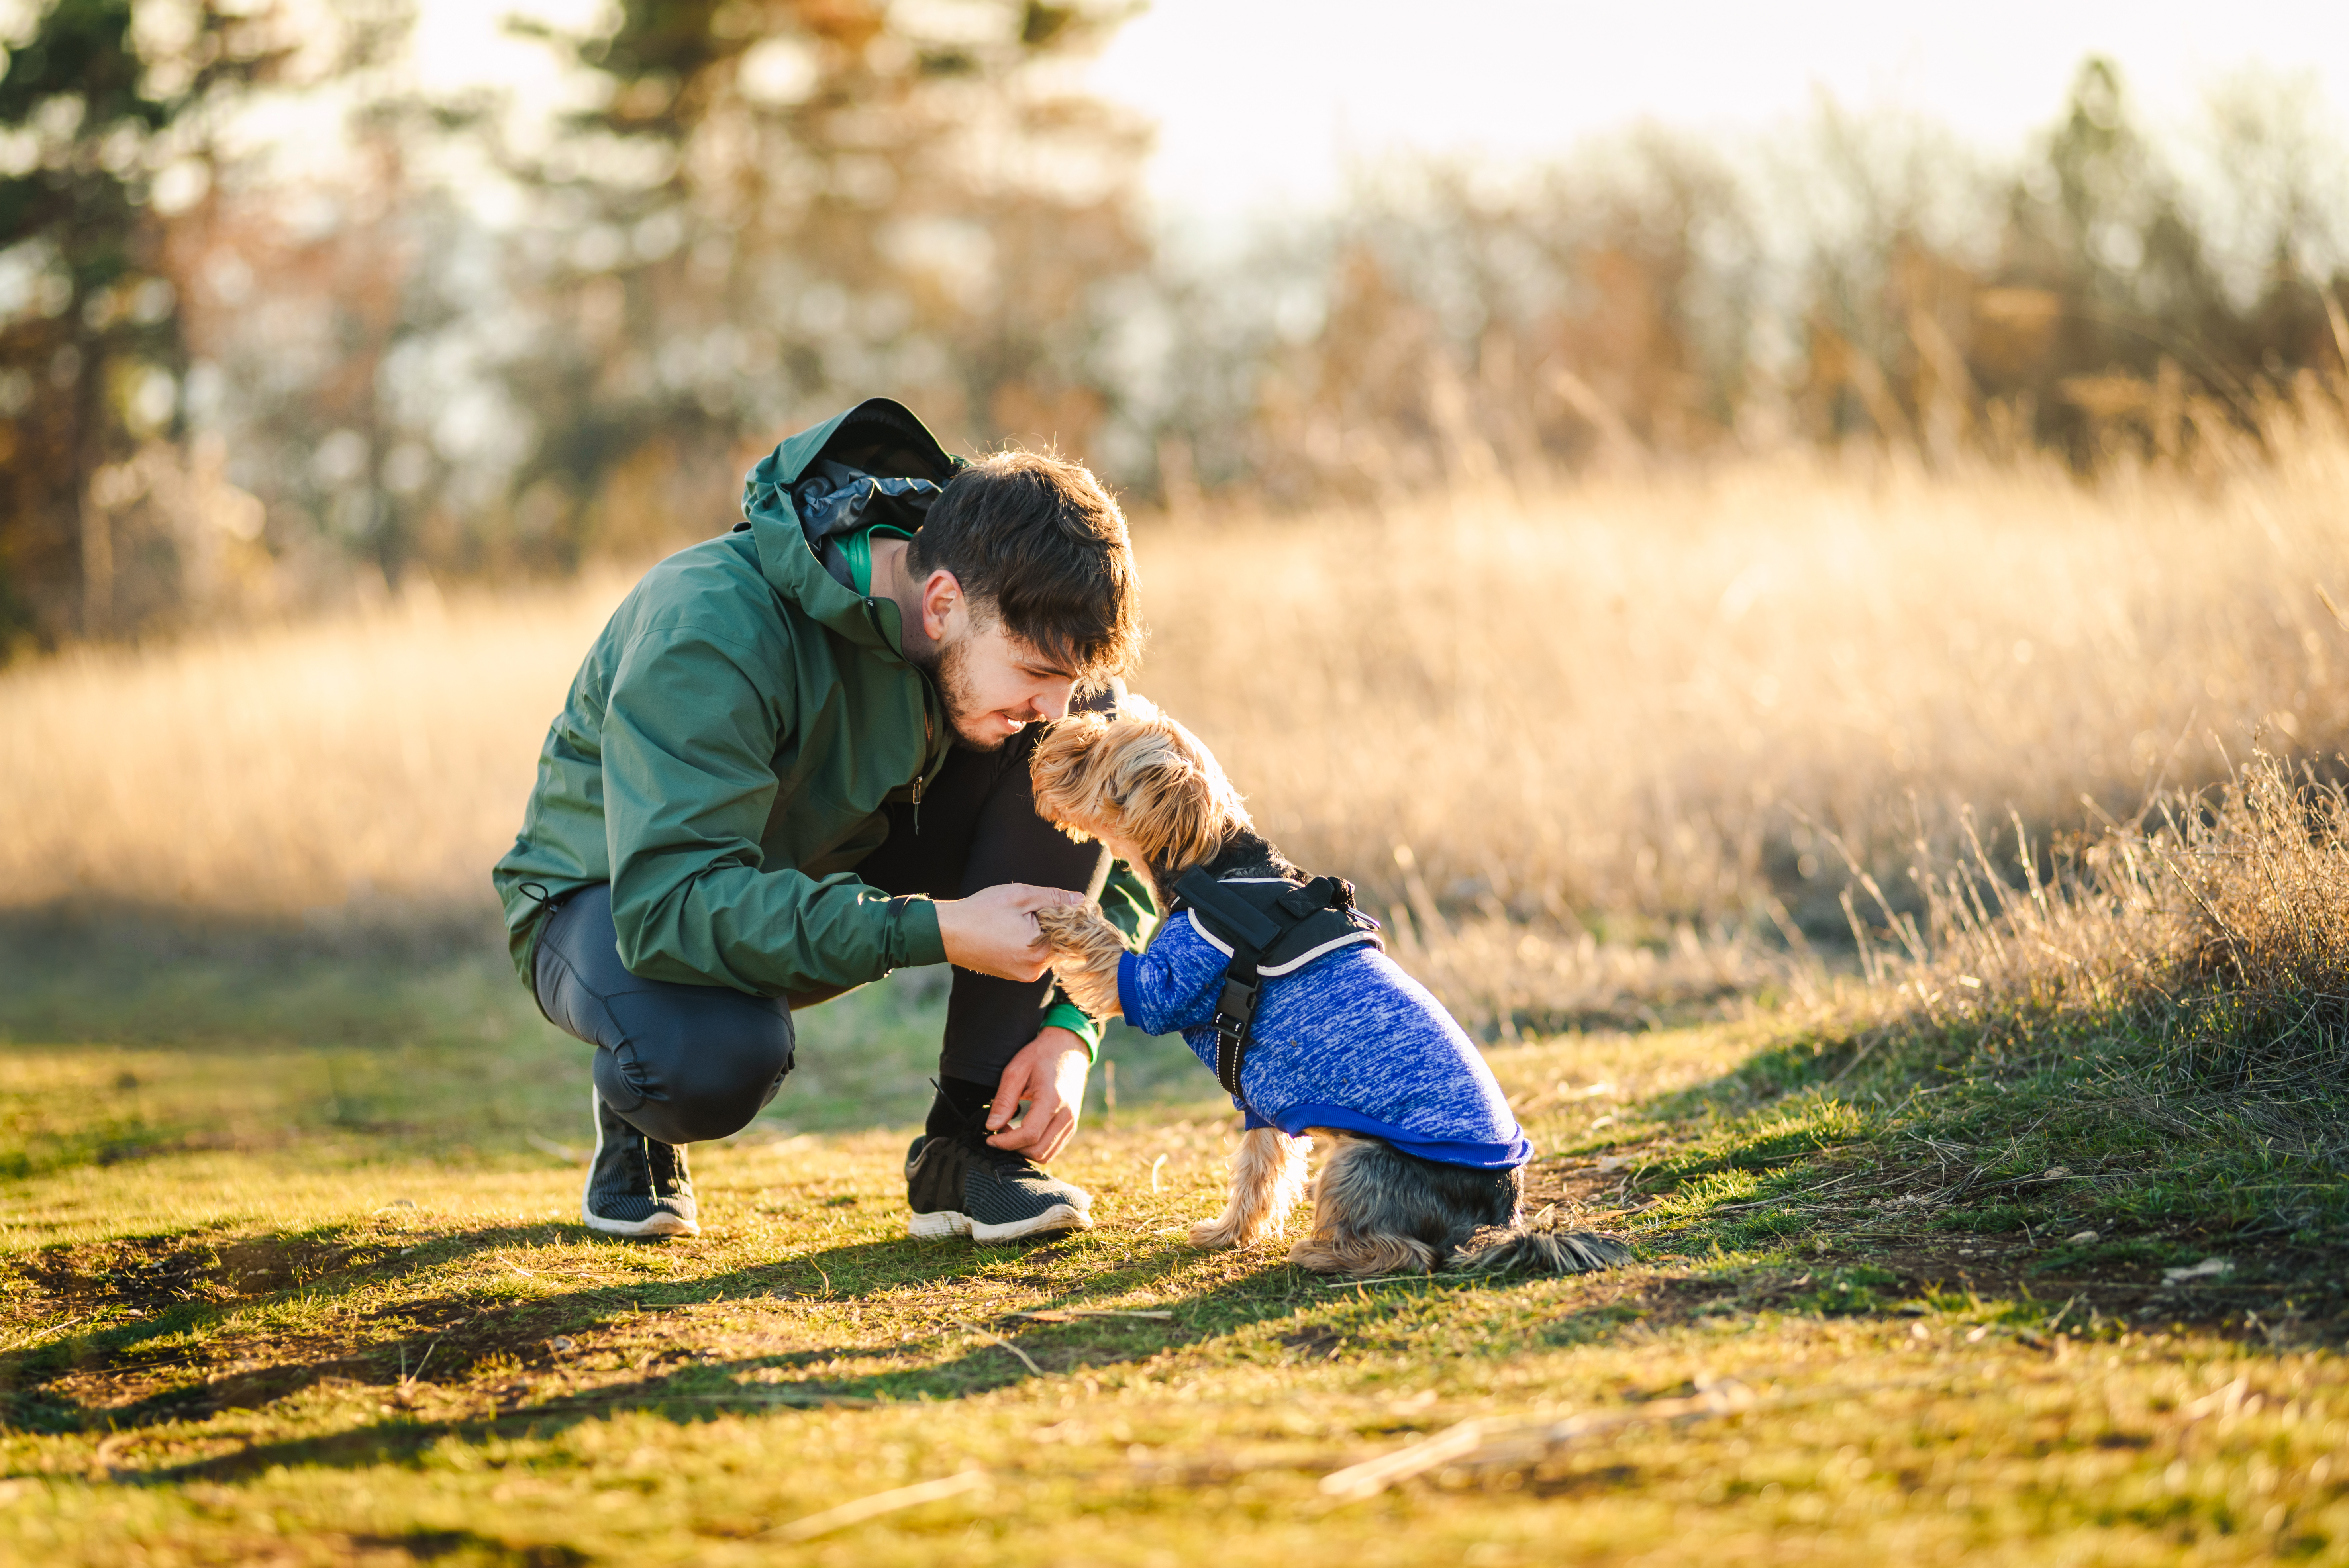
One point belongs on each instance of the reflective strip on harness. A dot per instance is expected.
(1293, 925)
(1275, 970)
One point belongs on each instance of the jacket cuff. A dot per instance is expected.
(1066, 1014)
(913, 937)
(1125, 991)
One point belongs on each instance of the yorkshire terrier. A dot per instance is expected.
(1425, 1168)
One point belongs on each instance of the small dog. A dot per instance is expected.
(1424, 1153)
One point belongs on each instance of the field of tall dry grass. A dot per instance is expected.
(1596, 746)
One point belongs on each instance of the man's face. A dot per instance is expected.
(994, 685)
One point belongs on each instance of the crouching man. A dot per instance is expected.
(796, 759)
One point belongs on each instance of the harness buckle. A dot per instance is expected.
(1235, 1012)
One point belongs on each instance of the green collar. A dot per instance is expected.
(878, 435)
(858, 548)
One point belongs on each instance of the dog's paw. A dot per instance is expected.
(1078, 928)
(1063, 921)
(1218, 1234)
(1085, 952)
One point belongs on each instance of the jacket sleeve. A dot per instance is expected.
(1125, 903)
(689, 742)
(1171, 985)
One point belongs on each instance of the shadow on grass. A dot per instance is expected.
(456, 1332)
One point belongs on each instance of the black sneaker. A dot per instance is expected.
(959, 1185)
(636, 1186)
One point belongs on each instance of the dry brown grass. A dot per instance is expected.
(1642, 706)
(378, 760)
(2197, 959)
(1617, 709)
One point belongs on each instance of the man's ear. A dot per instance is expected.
(941, 593)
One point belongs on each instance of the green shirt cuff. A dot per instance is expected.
(917, 940)
(1068, 1015)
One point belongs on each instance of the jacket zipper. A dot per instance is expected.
(873, 618)
(920, 773)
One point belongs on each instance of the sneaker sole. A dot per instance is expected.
(663, 1224)
(947, 1223)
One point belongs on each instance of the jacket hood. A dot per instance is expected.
(879, 436)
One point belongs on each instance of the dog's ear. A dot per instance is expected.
(1168, 803)
(1063, 773)
(1144, 778)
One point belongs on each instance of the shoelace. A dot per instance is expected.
(637, 1168)
(973, 1136)
(1005, 1160)
(665, 1163)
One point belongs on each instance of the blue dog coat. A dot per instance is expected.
(1347, 1041)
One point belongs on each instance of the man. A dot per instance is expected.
(797, 759)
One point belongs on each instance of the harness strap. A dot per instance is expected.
(1229, 910)
(1251, 935)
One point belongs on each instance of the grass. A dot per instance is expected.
(322, 1299)
(2009, 1230)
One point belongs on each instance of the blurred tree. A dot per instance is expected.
(784, 206)
(454, 336)
(2099, 320)
(1462, 324)
(2099, 226)
(1891, 212)
(340, 330)
(90, 352)
(109, 114)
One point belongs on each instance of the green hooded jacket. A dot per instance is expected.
(727, 749)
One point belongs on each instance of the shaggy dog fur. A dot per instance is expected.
(1143, 785)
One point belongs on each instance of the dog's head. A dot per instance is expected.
(1141, 777)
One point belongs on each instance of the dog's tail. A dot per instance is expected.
(1530, 1250)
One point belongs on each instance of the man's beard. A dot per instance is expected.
(949, 670)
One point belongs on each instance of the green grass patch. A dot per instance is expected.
(327, 1300)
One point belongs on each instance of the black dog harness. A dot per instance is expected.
(1272, 927)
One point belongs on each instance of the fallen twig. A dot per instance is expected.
(1007, 1345)
(1783, 1196)
(796, 1398)
(1066, 1313)
(1479, 1441)
(1372, 1477)
(40, 1334)
(406, 1378)
(879, 1503)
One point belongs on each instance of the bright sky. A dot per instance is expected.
(1262, 104)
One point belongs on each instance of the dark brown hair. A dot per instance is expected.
(1037, 540)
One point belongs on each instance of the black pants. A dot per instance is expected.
(683, 1063)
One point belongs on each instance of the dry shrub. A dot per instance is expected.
(2202, 949)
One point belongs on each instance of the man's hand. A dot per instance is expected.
(1050, 1074)
(993, 932)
